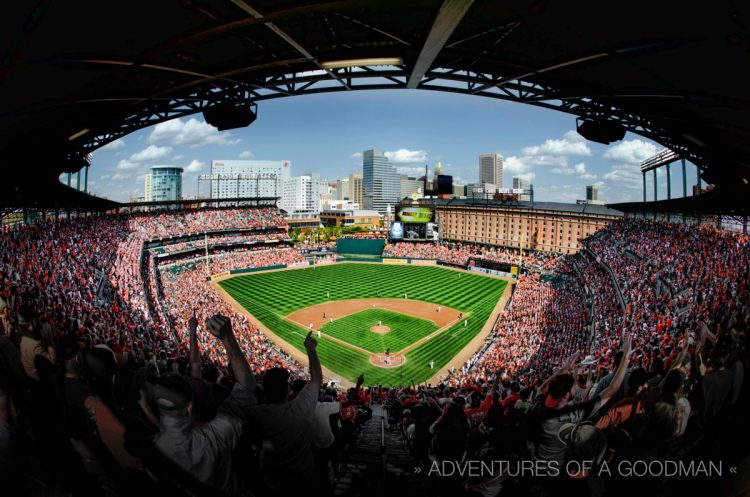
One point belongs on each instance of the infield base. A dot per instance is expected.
(387, 361)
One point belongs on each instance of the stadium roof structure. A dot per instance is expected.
(595, 209)
(77, 75)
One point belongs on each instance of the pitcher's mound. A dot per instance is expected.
(380, 329)
(387, 361)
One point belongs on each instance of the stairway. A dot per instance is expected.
(380, 465)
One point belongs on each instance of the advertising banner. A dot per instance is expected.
(397, 231)
(320, 262)
(415, 214)
(424, 262)
(492, 272)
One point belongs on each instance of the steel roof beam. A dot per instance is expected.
(448, 18)
(284, 36)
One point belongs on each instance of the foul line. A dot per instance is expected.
(369, 353)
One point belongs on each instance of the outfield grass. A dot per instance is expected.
(271, 296)
(355, 329)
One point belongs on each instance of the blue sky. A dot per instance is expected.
(327, 133)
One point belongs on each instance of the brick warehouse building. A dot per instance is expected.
(546, 226)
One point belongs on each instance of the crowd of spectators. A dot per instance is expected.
(672, 393)
(171, 223)
(121, 375)
(184, 284)
(543, 323)
(454, 253)
(461, 253)
(619, 359)
(315, 246)
(214, 240)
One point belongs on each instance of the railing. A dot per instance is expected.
(611, 274)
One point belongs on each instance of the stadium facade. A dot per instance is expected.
(545, 226)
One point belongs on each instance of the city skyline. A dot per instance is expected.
(325, 134)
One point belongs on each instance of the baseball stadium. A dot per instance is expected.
(441, 339)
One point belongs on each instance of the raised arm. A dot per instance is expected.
(195, 353)
(221, 327)
(316, 372)
(677, 363)
(497, 381)
(360, 381)
(705, 334)
(613, 387)
(566, 365)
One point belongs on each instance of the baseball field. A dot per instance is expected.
(397, 324)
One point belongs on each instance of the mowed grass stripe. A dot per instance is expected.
(271, 296)
(355, 329)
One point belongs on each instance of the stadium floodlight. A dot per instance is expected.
(382, 61)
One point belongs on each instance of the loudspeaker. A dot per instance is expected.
(230, 116)
(604, 132)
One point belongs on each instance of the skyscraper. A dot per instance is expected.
(356, 189)
(410, 186)
(342, 189)
(592, 196)
(522, 184)
(592, 193)
(438, 171)
(163, 183)
(382, 184)
(301, 193)
(263, 170)
(491, 169)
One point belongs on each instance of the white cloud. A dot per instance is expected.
(195, 166)
(415, 171)
(554, 152)
(588, 176)
(127, 164)
(547, 160)
(356, 155)
(150, 153)
(525, 176)
(405, 155)
(246, 154)
(515, 164)
(631, 151)
(571, 144)
(559, 193)
(120, 176)
(625, 175)
(177, 157)
(117, 144)
(573, 136)
(567, 171)
(191, 133)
